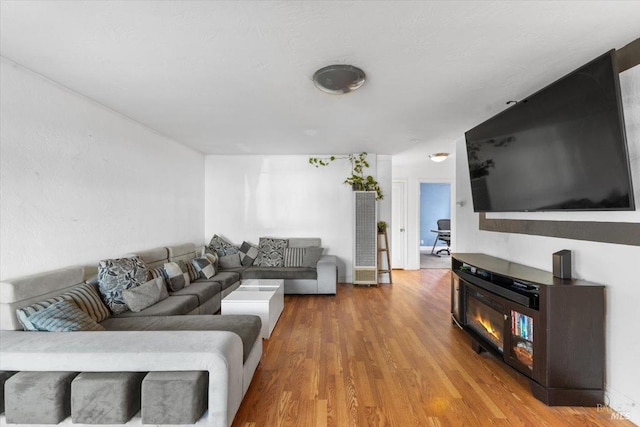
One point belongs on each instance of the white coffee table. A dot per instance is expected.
(261, 297)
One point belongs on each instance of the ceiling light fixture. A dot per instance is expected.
(439, 157)
(339, 79)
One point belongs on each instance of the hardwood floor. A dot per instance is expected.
(389, 356)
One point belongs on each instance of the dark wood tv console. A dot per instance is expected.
(549, 329)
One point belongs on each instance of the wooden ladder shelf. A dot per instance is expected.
(385, 250)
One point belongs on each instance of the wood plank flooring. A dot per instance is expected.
(389, 356)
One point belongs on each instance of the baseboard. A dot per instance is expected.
(619, 406)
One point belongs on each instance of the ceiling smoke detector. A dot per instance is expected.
(339, 79)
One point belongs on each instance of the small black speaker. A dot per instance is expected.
(562, 264)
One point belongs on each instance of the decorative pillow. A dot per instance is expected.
(248, 254)
(185, 271)
(115, 275)
(311, 256)
(87, 298)
(204, 267)
(63, 316)
(212, 257)
(230, 261)
(293, 257)
(193, 273)
(221, 246)
(157, 272)
(271, 252)
(175, 277)
(145, 295)
(25, 313)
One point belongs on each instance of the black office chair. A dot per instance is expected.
(444, 224)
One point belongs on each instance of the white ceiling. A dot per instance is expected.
(235, 77)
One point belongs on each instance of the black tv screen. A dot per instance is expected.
(562, 148)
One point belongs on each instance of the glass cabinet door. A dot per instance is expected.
(521, 340)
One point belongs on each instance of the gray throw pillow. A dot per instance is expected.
(271, 253)
(229, 261)
(311, 256)
(63, 316)
(115, 275)
(221, 246)
(248, 253)
(145, 295)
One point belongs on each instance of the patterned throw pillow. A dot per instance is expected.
(156, 273)
(221, 246)
(145, 295)
(248, 254)
(175, 277)
(203, 267)
(87, 298)
(193, 273)
(63, 316)
(212, 257)
(115, 275)
(271, 253)
(293, 257)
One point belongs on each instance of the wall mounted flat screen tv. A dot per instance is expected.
(562, 148)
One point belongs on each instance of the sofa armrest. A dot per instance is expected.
(327, 274)
(218, 352)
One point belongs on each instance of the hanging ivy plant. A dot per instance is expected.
(357, 180)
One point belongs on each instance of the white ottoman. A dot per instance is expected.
(260, 297)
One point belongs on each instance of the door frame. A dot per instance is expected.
(405, 184)
(452, 208)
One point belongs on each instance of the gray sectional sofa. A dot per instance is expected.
(227, 347)
(179, 333)
(299, 280)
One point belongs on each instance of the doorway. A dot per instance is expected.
(435, 204)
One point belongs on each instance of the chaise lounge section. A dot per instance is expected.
(228, 348)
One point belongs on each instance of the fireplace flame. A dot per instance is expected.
(489, 328)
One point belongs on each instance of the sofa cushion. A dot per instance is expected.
(204, 290)
(226, 278)
(271, 252)
(63, 316)
(221, 246)
(246, 326)
(174, 305)
(255, 272)
(115, 275)
(248, 253)
(145, 295)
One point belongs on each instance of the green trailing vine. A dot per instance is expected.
(357, 180)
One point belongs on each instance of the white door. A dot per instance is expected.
(398, 224)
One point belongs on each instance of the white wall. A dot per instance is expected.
(612, 265)
(248, 197)
(80, 183)
(414, 167)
